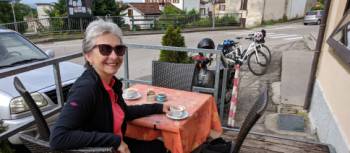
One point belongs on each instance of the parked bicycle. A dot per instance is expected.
(257, 55)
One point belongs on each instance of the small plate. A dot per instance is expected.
(138, 95)
(184, 115)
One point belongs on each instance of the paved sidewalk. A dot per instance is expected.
(249, 90)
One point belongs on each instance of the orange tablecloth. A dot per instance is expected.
(179, 136)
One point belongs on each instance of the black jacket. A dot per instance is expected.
(86, 120)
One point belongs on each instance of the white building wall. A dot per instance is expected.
(179, 5)
(233, 6)
(274, 9)
(137, 15)
(295, 9)
(41, 11)
(324, 123)
(191, 4)
(254, 13)
(207, 8)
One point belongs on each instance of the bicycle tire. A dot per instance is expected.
(267, 52)
(261, 65)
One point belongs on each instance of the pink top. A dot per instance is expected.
(118, 114)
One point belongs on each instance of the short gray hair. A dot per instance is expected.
(97, 28)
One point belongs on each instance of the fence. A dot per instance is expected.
(132, 23)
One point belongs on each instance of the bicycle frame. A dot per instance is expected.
(251, 48)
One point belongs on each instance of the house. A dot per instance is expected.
(254, 12)
(206, 7)
(41, 8)
(330, 102)
(181, 4)
(141, 15)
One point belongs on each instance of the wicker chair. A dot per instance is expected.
(173, 75)
(37, 140)
(253, 116)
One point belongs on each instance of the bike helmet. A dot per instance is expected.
(206, 43)
(258, 36)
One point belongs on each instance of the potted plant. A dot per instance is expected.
(173, 37)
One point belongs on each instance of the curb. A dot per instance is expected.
(310, 41)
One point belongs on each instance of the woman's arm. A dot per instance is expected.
(137, 111)
(67, 133)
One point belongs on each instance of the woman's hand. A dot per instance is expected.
(123, 148)
(166, 107)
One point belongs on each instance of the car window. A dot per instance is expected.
(311, 13)
(14, 49)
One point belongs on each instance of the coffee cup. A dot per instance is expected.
(177, 110)
(130, 93)
(161, 97)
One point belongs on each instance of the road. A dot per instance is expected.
(140, 60)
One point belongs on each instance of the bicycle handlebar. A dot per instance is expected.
(249, 38)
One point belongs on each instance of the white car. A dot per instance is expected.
(16, 50)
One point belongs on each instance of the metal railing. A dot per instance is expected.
(55, 62)
(127, 23)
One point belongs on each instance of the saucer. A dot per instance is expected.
(138, 95)
(183, 116)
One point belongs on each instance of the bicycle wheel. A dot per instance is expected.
(257, 63)
(264, 49)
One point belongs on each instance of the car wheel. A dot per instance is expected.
(318, 22)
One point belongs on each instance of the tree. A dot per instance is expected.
(170, 10)
(21, 10)
(59, 9)
(5, 16)
(319, 5)
(110, 8)
(173, 37)
(171, 15)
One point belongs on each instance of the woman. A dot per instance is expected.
(95, 114)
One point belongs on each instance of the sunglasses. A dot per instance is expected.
(106, 50)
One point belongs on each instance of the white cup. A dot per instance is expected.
(177, 110)
(130, 93)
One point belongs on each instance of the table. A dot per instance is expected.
(179, 136)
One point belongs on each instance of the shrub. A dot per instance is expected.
(173, 37)
(226, 20)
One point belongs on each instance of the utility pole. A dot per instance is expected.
(213, 14)
(14, 15)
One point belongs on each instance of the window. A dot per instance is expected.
(340, 38)
(244, 4)
(202, 11)
(222, 7)
(130, 13)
